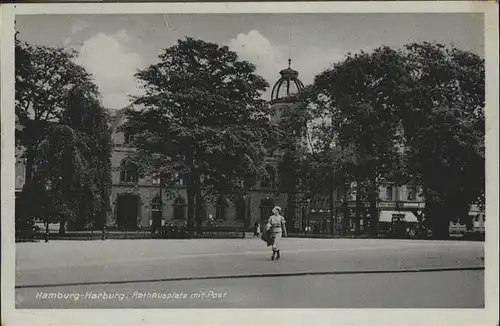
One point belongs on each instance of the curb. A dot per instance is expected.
(262, 275)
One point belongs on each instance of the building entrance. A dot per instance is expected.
(156, 213)
(127, 211)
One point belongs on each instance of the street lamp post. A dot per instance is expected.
(332, 198)
(307, 216)
(48, 188)
(247, 214)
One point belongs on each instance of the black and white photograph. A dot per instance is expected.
(249, 160)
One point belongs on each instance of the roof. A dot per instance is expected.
(287, 86)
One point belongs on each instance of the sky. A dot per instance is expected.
(114, 47)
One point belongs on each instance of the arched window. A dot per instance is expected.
(179, 208)
(156, 203)
(411, 193)
(156, 212)
(221, 209)
(269, 180)
(129, 174)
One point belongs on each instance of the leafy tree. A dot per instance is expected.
(44, 75)
(444, 128)
(74, 157)
(414, 116)
(86, 114)
(360, 96)
(203, 119)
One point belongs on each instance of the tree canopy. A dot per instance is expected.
(444, 129)
(413, 115)
(360, 96)
(65, 136)
(203, 119)
(44, 76)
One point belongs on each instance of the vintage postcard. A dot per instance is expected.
(250, 163)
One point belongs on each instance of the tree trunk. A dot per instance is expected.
(199, 206)
(28, 208)
(332, 201)
(373, 215)
(191, 192)
(291, 209)
(359, 207)
(373, 208)
(438, 221)
(162, 217)
(62, 226)
(30, 159)
(347, 214)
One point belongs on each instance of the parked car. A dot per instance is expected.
(479, 223)
(457, 228)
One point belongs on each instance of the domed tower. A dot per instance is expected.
(285, 102)
(284, 92)
(287, 86)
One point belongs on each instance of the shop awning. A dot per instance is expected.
(386, 216)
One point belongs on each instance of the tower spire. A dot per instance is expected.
(289, 84)
(289, 44)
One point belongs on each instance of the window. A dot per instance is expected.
(156, 210)
(389, 193)
(129, 174)
(221, 209)
(411, 193)
(179, 208)
(127, 138)
(156, 204)
(352, 194)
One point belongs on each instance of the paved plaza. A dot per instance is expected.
(238, 273)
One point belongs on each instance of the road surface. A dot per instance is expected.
(238, 273)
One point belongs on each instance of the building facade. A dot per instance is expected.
(139, 202)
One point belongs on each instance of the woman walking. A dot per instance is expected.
(277, 227)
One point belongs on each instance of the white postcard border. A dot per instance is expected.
(487, 316)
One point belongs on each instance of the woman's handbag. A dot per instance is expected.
(267, 236)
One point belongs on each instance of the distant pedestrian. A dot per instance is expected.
(277, 227)
(105, 232)
(211, 221)
(256, 229)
